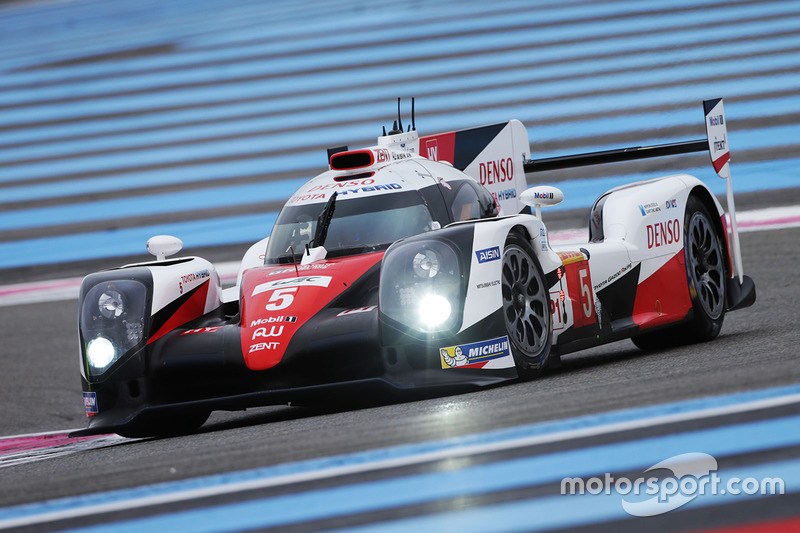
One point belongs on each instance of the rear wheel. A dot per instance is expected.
(705, 274)
(705, 270)
(526, 306)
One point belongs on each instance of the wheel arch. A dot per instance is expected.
(710, 202)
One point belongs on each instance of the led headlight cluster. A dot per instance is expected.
(421, 285)
(111, 322)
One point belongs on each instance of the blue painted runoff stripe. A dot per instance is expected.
(721, 441)
(481, 479)
(349, 77)
(245, 229)
(747, 177)
(232, 118)
(472, 89)
(364, 32)
(740, 140)
(572, 124)
(410, 50)
(556, 512)
(173, 202)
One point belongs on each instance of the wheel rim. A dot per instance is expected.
(705, 265)
(525, 301)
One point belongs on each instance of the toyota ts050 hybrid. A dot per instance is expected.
(414, 264)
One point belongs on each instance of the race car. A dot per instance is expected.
(415, 264)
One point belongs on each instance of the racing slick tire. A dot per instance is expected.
(166, 426)
(526, 307)
(705, 274)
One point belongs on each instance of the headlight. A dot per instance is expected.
(426, 264)
(112, 322)
(421, 285)
(434, 310)
(111, 304)
(100, 353)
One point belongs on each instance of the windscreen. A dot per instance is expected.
(358, 225)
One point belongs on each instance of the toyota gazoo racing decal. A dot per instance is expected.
(277, 301)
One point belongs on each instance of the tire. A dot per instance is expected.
(705, 275)
(165, 426)
(705, 272)
(526, 307)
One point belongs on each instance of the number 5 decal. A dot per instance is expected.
(282, 299)
(586, 292)
(579, 281)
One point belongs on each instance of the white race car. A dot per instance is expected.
(415, 263)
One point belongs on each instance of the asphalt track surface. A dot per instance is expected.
(757, 349)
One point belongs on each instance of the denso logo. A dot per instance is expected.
(488, 254)
(663, 233)
(496, 171)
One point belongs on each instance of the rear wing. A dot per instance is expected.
(716, 143)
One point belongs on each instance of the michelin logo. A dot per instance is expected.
(476, 352)
(488, 254)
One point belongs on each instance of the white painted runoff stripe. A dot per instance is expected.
(413, 454)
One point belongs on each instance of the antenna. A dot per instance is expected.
(399, 118)
(413, 125)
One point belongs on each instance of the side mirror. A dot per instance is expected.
(543, 195)
(162, 246)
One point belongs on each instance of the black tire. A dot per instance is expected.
(526, 307)
(165, 426)
(705, 274)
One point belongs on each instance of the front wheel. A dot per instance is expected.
(526, 307)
